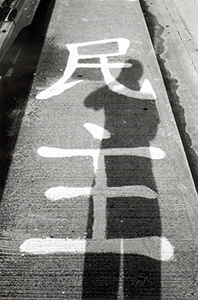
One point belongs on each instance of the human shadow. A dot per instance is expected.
(132, 123)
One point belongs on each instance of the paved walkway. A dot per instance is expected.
(99, 201)
(173, 29)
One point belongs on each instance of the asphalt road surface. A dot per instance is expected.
(98, 200)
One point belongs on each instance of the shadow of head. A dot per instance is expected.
(130, 75)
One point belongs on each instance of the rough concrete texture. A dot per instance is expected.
(172, 26)
(86, 215)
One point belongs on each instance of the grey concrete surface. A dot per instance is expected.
(99, 201)
(173, 27)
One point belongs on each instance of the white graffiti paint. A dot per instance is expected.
(61, 192)
(97, 132)
(96, 154)
(158, 248)
(57, 89)
(100, 191)
(146, 91)
(51, 245)
(149, 152)
(111, 65)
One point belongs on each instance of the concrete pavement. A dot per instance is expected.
(173, 30)
(99, 201)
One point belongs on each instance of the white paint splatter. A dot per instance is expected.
(158, 248)
(97, 132)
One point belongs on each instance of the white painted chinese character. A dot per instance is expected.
(101, 50)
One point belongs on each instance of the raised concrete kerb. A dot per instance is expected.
(158, 248)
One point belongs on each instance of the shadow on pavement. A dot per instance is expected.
(17, 71)
(132, 123)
